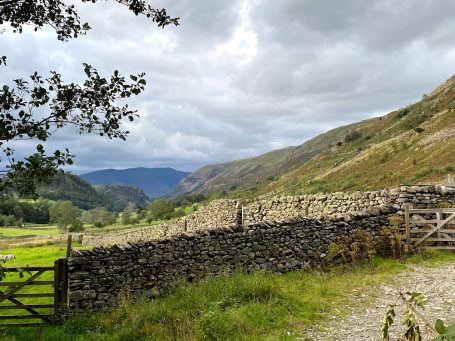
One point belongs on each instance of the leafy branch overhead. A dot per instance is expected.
(90, 107)
(35, 108)
(64, 18)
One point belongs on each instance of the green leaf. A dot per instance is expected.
(440, 327)
(450, 331)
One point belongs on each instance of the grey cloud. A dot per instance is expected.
(239, 78)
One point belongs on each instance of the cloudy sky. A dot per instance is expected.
(239, 78)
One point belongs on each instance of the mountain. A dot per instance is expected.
(414, 144)
(250, 172)
(121, 195)
(154, 182)
(71, 187)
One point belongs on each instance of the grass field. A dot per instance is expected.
(257, 306)
(31, 230)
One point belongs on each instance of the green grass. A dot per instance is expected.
(28, 231)
(33, 256)
(39, 256)
(256, 306)
(39, 230)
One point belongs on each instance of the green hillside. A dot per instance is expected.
(410, 145)
(71, 187)
(120, 195)
(83, 195)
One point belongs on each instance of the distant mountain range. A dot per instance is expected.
(155, 182)
(414, 144)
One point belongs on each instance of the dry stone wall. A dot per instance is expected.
(221, 213)
(228, 213)
(97, 277)
(313, 205)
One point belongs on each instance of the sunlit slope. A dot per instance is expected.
(415, 144)
(239, 174)
(410, 145)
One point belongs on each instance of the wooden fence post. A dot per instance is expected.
(68, 245)
(60, 289)
(243, 216)
(408, 228)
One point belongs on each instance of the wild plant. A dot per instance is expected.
(352, 249)
(415, 302)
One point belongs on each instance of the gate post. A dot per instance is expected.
(408, 228)
(60, 289)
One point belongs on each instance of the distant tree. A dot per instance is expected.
(86, 217)
(142, 214)
(186, 203)
(160, 209)
(28, 211)
(126, 218)
(178, 213)
(99, 217)
(9, 220)
(134, 220)
(65, 215)
(34, 109)
(130, 208)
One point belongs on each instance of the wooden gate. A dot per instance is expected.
(430, 228)
(34, 306)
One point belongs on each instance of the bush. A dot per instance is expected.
(402, 113)
(390, 243)
(449, 168)
(126, 218)
(9, 221)
(76, 226)
(384, 157)
(352, 249)
(353, 135)
(421, 173)
(178, 213)
(451, 106)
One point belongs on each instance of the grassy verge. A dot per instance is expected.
(257, 306)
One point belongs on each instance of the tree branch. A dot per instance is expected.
(9, 2)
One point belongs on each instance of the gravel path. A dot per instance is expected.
(363, 323)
